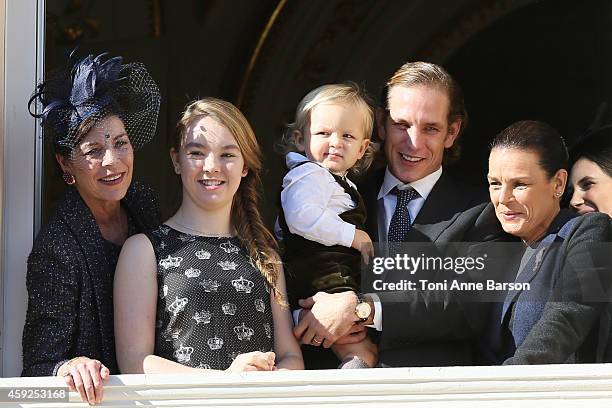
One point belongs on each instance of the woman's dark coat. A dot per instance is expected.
(563, 317)
(70, 285)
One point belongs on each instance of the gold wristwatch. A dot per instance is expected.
(363, 310)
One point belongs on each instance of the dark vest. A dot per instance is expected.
(312, 267)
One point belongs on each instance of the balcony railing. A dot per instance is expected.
(555, 386)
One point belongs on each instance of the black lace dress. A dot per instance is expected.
(213, 304)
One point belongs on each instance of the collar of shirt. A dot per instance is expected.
(292, 159)
(422, 186)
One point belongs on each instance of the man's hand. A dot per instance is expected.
(331, 317)
(357, 333)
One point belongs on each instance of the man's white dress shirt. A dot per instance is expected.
(386, 202)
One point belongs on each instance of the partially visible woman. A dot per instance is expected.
(96, 114)
(557, 319)
(206, 290)
(591, 174)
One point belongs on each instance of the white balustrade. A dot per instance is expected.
(557, 386)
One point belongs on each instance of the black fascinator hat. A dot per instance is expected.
(596, 143)
(92, 89)
(596, 140)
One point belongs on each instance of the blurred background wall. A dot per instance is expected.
(523, 59)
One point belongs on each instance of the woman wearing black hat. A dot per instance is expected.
(97, 114)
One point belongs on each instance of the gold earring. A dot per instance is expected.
(68, 178)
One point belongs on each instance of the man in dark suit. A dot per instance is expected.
(420, 124)
(412, 200)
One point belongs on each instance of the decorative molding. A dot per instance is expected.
(73, 24)
(555, 386)
(466, 25)
(156, 15)
(347, 18)
(260, 43)
(339, 20)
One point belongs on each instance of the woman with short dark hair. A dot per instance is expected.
(558, 318)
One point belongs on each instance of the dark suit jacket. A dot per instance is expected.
(431, 328)
(70, 285)
(560, 318)
(445, 201)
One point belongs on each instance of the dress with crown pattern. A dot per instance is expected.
(213, 304)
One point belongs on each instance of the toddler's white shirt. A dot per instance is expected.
(312, 202)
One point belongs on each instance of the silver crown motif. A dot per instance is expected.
(202, 317)
(268, 330)
(193, 273)
(178, 305)
(210, 285)
(164, 230)
(186, 238)
(164, 292)
(242, 285)
(202, 254)
(243, 332)
(228, 247)
(227, 265)
(260, 306)
(183, 354)
(215, 343)
(170, 335)
(203, 366)
(162, 245)
(170, 262)
(229, 308)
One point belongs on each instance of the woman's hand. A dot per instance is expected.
(86, 376)
(253, 361)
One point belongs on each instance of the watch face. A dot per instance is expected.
(363, 310)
